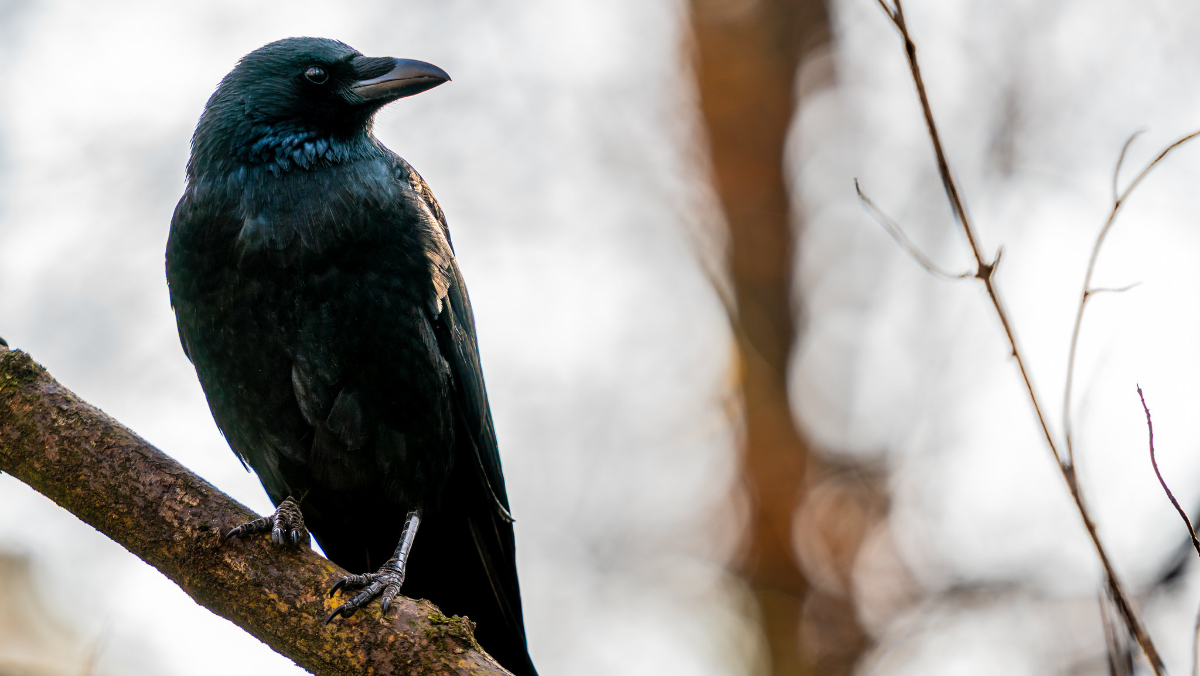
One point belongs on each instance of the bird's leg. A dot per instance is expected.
(286, 525)
(384, 582)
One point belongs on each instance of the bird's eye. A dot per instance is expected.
(316, 75)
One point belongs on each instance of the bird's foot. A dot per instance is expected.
(286, 525)
(384, 583)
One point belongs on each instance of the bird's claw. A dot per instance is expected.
(385, 584)
(286, 525)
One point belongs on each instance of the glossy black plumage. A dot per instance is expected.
(317, 294)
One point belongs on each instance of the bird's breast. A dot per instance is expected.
(296, 215)
(327, 284)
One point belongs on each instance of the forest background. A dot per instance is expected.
(743, 431)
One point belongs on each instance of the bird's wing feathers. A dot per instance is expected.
(438, 250)
(491, 525)
(456, 334)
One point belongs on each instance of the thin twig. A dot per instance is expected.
(1121, 160)
(1120, 657)
(1105, 289)
(1087, 292)
(1163, 482)
(901, 239)
(984, 268)
(1196, 647)
(985, 273)
(1187, 522)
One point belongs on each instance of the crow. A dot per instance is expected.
(316, 293)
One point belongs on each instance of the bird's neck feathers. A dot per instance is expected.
(226, 143)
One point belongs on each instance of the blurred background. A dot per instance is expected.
(743, 433)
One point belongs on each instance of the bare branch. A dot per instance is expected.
(985, 273)
(1161, 481)
(887, 10)
(984, 269)
(1162, 155)
(1116, 640)
(1120, 289)
(905, 243)
(1121, 160)
(1186, 521)
(1088, 292)
(1196, 647)
(106, 475)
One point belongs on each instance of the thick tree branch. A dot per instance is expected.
(106, 475)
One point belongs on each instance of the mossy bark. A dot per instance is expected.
(106, 475)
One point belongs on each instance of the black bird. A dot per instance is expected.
(316, 293)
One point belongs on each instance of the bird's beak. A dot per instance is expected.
(405, 78)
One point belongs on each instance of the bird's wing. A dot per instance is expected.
(455, 327)
(491, 522)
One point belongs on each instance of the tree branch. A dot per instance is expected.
(1119, 200)
(1163, 482)
(893, 228)
(106, 475)
(985, 272)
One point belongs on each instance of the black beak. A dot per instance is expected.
(404, 78)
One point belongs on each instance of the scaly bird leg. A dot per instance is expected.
(386, 580)
(286, 525)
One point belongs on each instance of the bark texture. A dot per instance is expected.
(106, 475)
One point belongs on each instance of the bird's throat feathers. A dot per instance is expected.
(222, 146)
(278, 181)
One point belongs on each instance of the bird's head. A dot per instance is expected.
(301, 100)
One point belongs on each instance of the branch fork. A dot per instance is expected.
(985, 272)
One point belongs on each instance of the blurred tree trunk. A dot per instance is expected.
(746, 55)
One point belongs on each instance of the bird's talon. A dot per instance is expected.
(384, 584)
(388, 595)
(287, 518)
